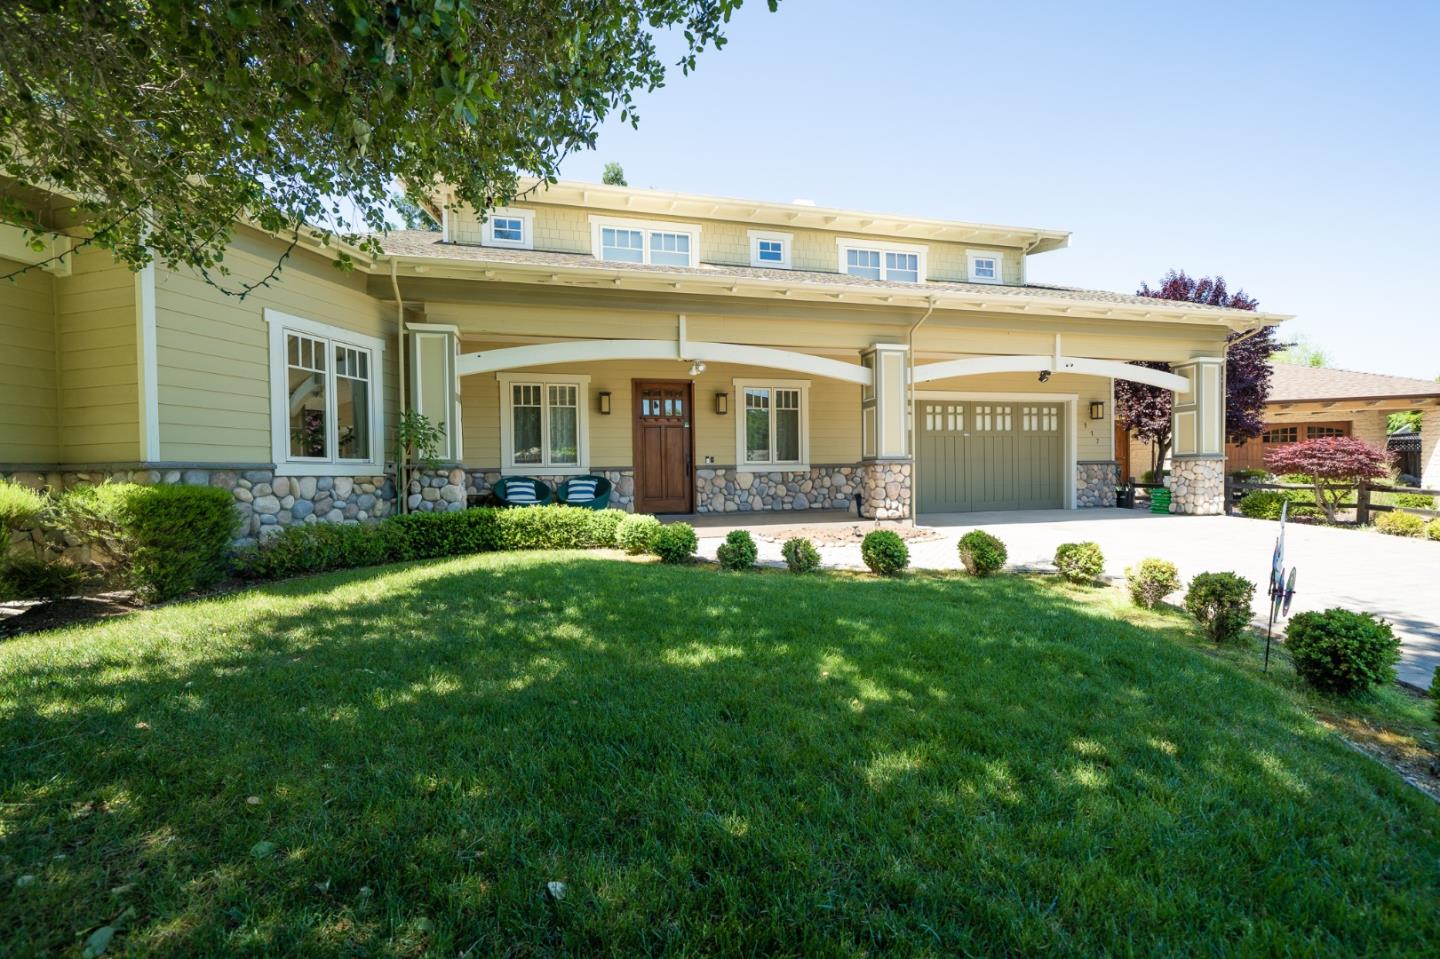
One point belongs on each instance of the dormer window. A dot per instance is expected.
(882, 261)
(509, 228)
(984, 266)
(770, 249)
(642, 241)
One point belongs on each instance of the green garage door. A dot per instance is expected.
(986, 455)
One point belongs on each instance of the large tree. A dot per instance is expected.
(168, 121)
(1145, 411)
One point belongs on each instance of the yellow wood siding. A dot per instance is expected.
(99, 405)
(29, 390)
(213, 350)
(566, 229)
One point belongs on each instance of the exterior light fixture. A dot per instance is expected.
(697, 368)
(722, 404)
(604, 402)
(1097, 410)
(1044, 376)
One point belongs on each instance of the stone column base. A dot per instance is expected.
(1095, 483)
(1197, 486)
(886, 487)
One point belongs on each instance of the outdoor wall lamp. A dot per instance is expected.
(1097, 410)
(604, 402)
(722, 403)
(1044, 376)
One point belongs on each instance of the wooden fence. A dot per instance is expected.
(1364, 491)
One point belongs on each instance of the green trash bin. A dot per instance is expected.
(1160, 501)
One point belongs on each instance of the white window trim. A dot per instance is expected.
(527, 229)
(597, 223)
(286, 465)
(740, 386)
(972, 255)
(844, 244)
(581, 382)
(786, 241)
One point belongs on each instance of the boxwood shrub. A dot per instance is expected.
(1400, 524)
(884, 552)
(738, 551)
(1151, 580)
(545, 527)
(1263, 504)
(435, 534)
(675, 543)
(982, 553)
(800, 554)
(1415, 500)
(1220, 602)
(165, 540)
(317, 547)
(1342, 652)
(636, 533)
(1080, 562)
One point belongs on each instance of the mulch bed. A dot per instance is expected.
(33, 617)
(842, 534)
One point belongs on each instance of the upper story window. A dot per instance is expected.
(882, 261)
(642, 241)
(509, 227)
(325, 388)
(770, 249)
(985, 266)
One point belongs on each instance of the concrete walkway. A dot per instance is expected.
(1396, 578)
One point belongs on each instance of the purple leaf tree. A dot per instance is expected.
(1145, 411)
(1334, 465)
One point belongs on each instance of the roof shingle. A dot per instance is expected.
(1293, 384)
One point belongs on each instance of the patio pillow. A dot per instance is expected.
(580, 491)
(520, 493)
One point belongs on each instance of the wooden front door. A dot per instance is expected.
(663, 446)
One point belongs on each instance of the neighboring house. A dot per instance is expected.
(706, 354)
(1308, 402)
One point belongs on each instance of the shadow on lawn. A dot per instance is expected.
(751, 762)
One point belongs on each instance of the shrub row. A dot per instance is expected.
(1407, 524)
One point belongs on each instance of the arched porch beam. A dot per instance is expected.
(975, 365)
(590, 351)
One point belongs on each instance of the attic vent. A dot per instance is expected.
(803, 202)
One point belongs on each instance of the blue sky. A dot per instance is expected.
(1292, 148)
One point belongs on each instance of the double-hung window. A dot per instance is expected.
(509, 227)
(985, 266)
(544, 426)
(325, 389)
(772, 431)
(882, 261)
(642, 241)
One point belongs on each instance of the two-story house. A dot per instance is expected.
(705, 354)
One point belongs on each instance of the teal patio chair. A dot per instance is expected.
(591, 492)
(522, 491)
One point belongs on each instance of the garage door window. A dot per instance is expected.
(1039, 419)
(999, 419)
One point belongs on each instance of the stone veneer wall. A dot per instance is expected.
(1095, 483)
(1197, 486)
(884, 488)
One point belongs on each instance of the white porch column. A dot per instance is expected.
(885, 433)
(1197, 472)
(1430, 448)
(434, 387)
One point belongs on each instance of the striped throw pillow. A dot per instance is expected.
(520, 493)
(580, 491)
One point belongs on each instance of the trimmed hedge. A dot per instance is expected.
(1263, 504)
(675, 543)
(800, 554)
(636, 533)
(166, 540)
(1080, 562)
(315, 548)
(1220, 602)
(1151, 580)
(982, 553)
(1400, 524)
(884, 552)
(1415, 500)
(738, 551)
(1342, 652)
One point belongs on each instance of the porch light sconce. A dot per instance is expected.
(722, 404)
(1097, 410)
(1044, 376)
(604, 402)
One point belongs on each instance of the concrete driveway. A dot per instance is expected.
(1396, 578)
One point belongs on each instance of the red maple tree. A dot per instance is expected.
(1333, 464)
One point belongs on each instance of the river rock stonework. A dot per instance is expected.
(1095, 483)
(887, 489)
(1197, 486)
(449, 489)
(724, 489)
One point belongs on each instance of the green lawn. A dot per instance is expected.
(753, 764)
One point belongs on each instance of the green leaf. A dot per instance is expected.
(263, 849)
(98, 942)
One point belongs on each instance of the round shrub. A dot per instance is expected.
(738, 551)
(19, 505)
(800, 555)
(1080, 562)
(675, 543)
(1220, 602)
(636, 533)
(604, 523)
(884, 552)
(1400, 524)
(1263, 504)
(981, 553)
(1151, 580)
(1342, 652)
(1432, 529)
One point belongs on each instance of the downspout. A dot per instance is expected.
(910, 411)
(402, 485)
